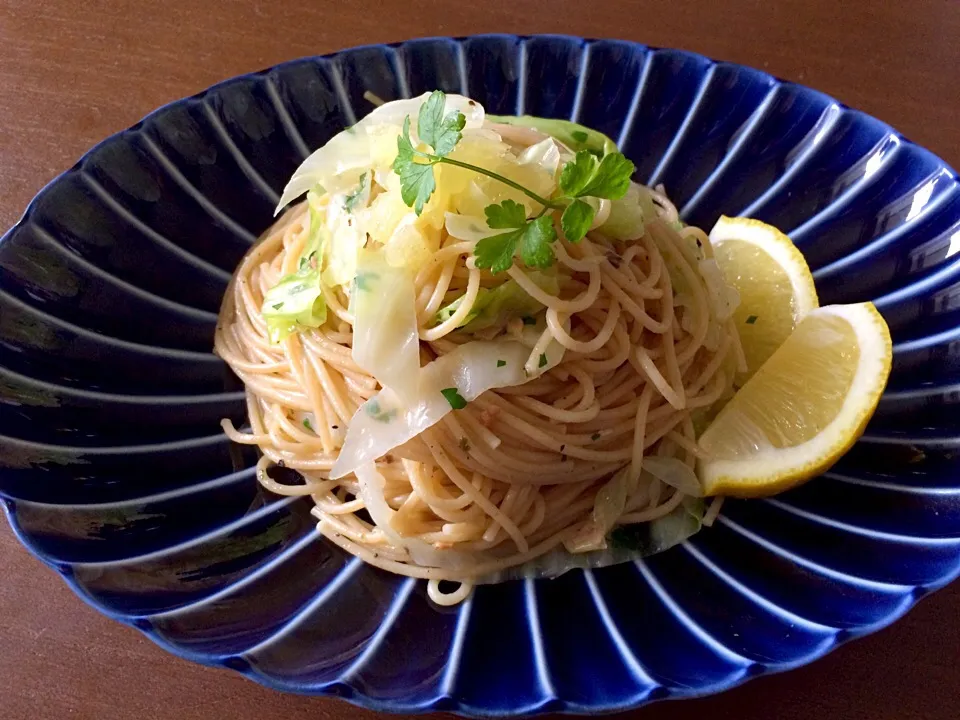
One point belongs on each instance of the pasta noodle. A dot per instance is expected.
(555, 462)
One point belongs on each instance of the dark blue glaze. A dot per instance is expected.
(113, 469)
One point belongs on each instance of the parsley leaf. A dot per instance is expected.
(453, 396)
(351, 200)
(752, 319)
(405, 149)
(576, 220)
(612, 177)
(496, 252)
(534, 237)
(508, 214)
(501, 363)
(439, 132)
(607, 178)
(417, 182)
(537, 236)
(307, 425)
(590, 174)
(577, 173)
(543, 360)
(377, 413)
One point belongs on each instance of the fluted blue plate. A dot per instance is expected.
(114, 471)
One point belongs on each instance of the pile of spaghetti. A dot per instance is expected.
(479, 344)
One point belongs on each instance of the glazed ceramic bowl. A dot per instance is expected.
(115, 473)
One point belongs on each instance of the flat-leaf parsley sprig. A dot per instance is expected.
(533, 236)
(585, 176)
(415, 167)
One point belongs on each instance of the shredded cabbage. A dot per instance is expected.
(674, 528)
(469, 192)
(544, 154)
(346, 240)
(629, 213)
(468, 227)
(385, 421)
(410, 246)
(675, 473)
(297, 300)
(607, 508)
(625, 543)
(386, 342)
(495, 306)
(612, 497)
(358, 198)
(573, 135)
(338, 164)
(724, 299)
(622, 544)
(293, 303)
(422, 553)
(371, 484)
(471, 203)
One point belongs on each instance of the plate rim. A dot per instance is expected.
(444, 701)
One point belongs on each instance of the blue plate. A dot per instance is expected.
(115, 473)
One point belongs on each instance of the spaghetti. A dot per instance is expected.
(602, 437)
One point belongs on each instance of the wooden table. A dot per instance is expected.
(74, 71)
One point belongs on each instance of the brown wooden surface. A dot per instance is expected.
(74, 71)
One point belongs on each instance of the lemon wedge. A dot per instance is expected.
(804, 408)
(775, 285)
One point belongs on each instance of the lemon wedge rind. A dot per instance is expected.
(780, 248)
(766, 469)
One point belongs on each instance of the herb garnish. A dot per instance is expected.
(534, 238)
(351, 200)
(453, 396)
(379, 414)
(363, 280)
(585, 176)
(414, 167)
